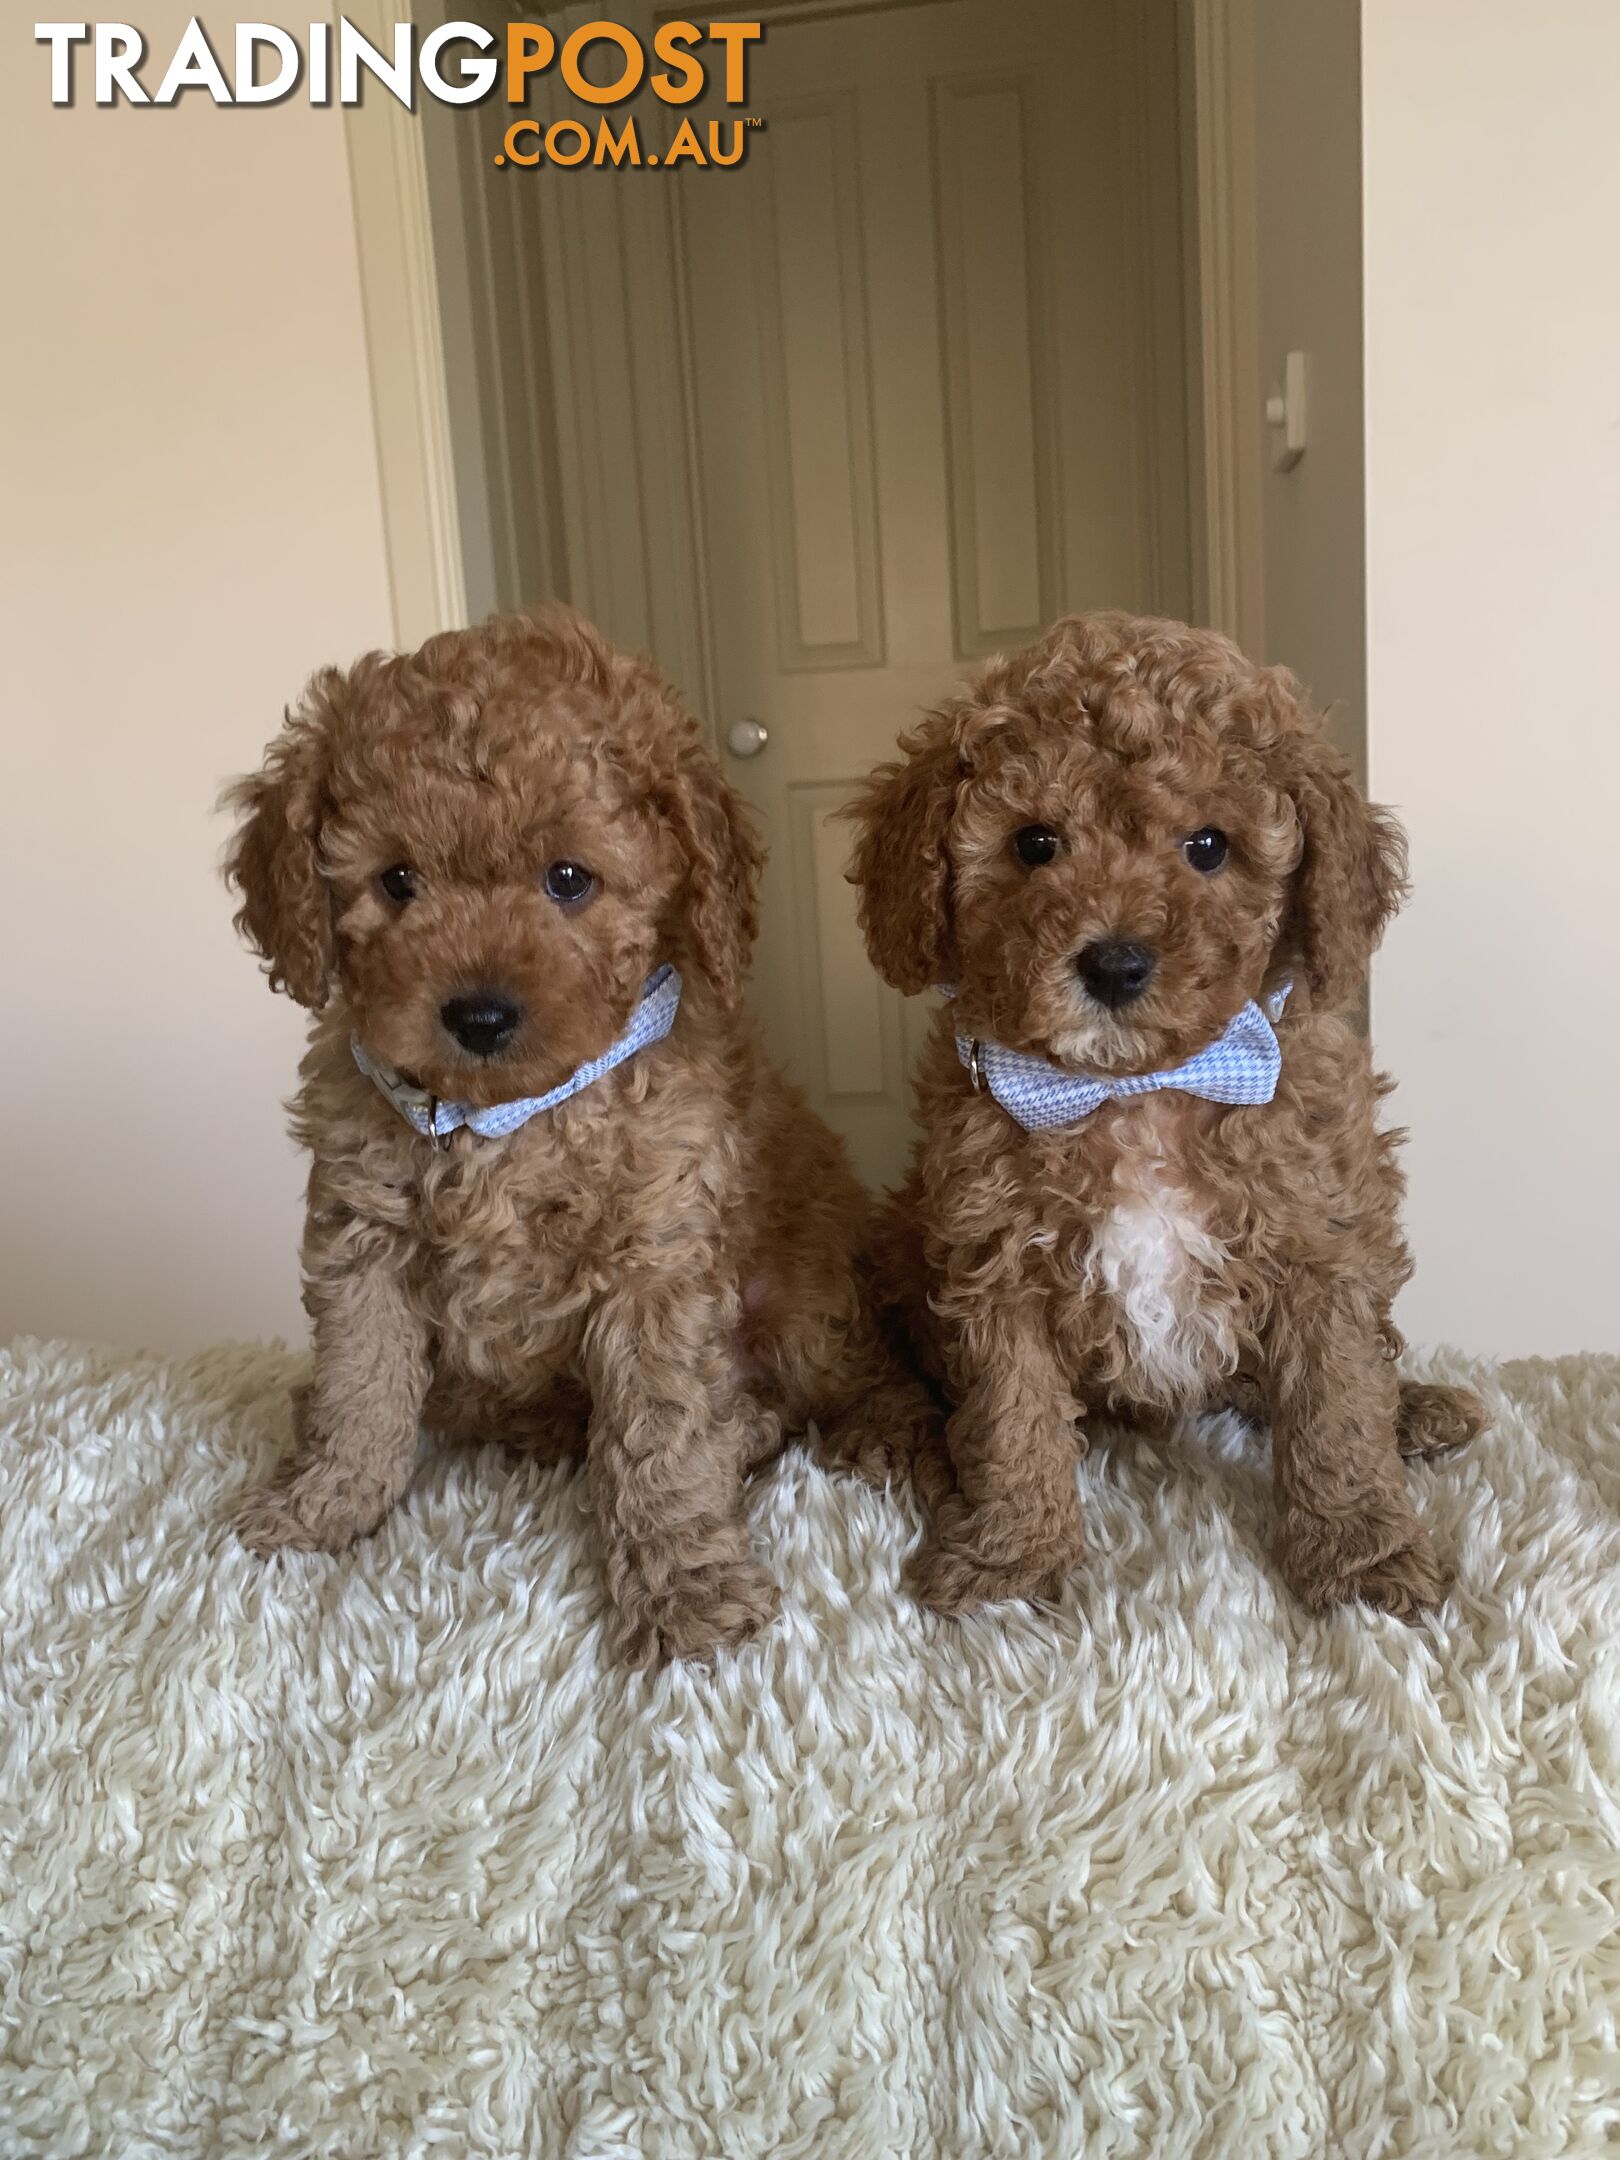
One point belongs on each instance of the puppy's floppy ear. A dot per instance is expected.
(714, 827)
(900, 869)
(1352, 868)
(274, 860)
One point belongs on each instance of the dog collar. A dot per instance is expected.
(436, 1120)
(1240, 1066)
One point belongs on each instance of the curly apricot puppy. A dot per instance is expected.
(488, 865)
(1108, 846)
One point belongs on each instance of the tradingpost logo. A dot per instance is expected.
(601, 65)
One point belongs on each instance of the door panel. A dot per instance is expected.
(998, 391)
(815, 371)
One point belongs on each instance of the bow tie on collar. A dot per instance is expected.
(436, 1120)
(1240, 1066)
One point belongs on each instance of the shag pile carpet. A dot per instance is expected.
(376, 1856)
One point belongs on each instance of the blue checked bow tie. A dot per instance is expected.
(1240, 1066)
(435, 1120)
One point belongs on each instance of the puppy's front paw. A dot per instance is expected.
(1406, 1583)
(1433, 1419)
(1330, 1563)
(695, 1613)
(267, 1522)
(972, 1559)
(313, 1512)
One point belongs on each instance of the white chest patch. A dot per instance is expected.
(1153, 1257)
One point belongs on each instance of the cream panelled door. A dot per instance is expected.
(938, 369)
(832, 423)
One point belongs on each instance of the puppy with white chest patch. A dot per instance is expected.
(1151, 1178)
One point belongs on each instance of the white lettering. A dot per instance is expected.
(119, 51)
(477, 76)
(61, 38)
(355, 51)
(250, 39)
(194, 67)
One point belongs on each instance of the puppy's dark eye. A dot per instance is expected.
(1206, 848)
(399, 883)
(568, 881)
(1036, 844)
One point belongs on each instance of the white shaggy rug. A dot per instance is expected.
(375, 1857)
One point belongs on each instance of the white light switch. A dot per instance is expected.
(1285, 415)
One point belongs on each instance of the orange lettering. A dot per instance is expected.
(734, 36)
(530, 50)
(671, 41)
(602, 33)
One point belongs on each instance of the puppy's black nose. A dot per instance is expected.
(1115, 970)
(481, 1020)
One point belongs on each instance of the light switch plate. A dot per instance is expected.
(1285, 415)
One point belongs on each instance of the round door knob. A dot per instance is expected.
(747, 738)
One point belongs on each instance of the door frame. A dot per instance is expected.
(406, 305)
(1217, 46)
(405, 350)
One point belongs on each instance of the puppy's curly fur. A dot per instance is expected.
(1167, 1252)
(659, 1274)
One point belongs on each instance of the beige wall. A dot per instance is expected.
(1307, 165)
(191, 522)
(1492, 160)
